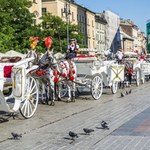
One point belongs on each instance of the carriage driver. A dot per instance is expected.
(73, 49)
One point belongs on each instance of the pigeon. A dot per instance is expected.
(16, 135)
(130, 91)
(73, 135)
(122, 95)
(88, 131)
(104, 125)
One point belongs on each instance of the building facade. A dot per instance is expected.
(112, 31)
(132, 31)
(37, 10)
(76, 14)
(100, 29)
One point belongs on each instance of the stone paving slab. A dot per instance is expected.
(138, 126)
(115, 110)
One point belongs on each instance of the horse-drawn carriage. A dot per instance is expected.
(145, 66)
(18, 90)
(96, 74)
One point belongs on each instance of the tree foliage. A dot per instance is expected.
(57, 28)
(16, 27)
(15, 21)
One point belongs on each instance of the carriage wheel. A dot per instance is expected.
(114, 87)
(29, 104)
(137, 77)
(96, 86)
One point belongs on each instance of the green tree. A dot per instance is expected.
(54, 26)
(16, 21)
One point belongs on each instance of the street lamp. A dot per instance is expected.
(67, 13)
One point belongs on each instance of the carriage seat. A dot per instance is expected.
(10, 59)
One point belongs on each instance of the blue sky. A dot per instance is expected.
(136, 10)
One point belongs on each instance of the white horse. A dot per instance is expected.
(63, 72)
(56, 73)
(68, 73)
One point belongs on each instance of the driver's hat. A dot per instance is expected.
(73, 40)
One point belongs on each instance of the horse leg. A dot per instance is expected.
(69, 93)
(130, 78)
(73, 92)
(42, 91)
(57, 90)
(52, 95)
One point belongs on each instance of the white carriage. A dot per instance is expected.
(97, 74)
(145, 66)
(18, 90)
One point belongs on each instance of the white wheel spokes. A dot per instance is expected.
(30, 102)
(30, 83)
(97, 87)
(28, 107)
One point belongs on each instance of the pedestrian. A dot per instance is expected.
(129, 72)
(108, 54)
(73, 49)
(119, 55)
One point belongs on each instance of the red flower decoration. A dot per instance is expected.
(58, 73)
(64, 75)
(71, 78)
(70, 71)
(40, 73)
(73, 71)
(48, 41)
(55, 73)
(56, 79)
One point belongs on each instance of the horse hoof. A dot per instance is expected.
(73, 99)
(67, 101)
(52, 103)
(59, 99)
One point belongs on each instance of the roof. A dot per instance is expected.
(14, 53)
(2, 54)
(126, 36)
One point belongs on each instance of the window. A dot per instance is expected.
(96, 25)
(34, 1)
(73, 16)
(44, 10)
(93, 33)
(97, 37)
(89, 44)
(83, 19)
(62, 12)
(34, 22)
(88, 22)
(80, 18)
(92, 23)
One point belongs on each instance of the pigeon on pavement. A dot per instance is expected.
(16, 136)
(104, 125)
(130, 91)
(122, 95)
(88, 131)
(73, 135)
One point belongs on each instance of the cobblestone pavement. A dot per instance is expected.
(127, 117)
